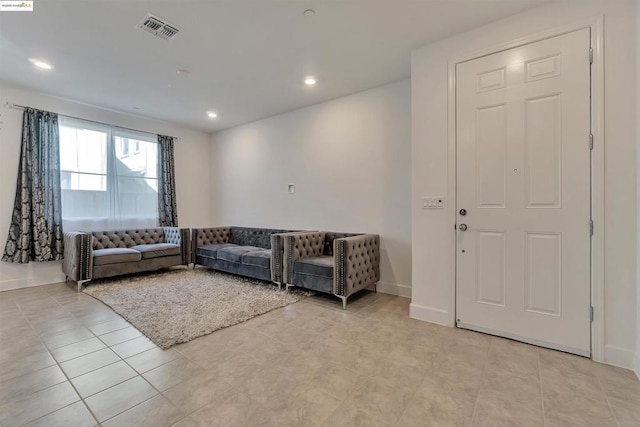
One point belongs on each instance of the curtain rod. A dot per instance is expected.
(22, 107)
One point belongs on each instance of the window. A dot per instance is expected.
(109, 177)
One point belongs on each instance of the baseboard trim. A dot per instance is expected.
(394, 289)
(18, 276)
(15, 284)
(619, 357)
(637, 370)
(429, 314)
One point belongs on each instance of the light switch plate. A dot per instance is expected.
(291, 188)
(432, 203)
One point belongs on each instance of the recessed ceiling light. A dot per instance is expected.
(309, 12)
(183, 72)
(310, 81)
(212, 114)
(41, 64)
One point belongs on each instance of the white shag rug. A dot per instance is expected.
(177, 306)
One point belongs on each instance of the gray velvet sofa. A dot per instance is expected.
(337, 263)
(250, 252)
(98, 254)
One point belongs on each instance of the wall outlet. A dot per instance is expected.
(432, 203)
(291, 188)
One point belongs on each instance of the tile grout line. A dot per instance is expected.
(134, 406)
(61, 370)
(544, 414)
(121, 359)
(485, 375)
(126, 363)
(82, 399)
(139, 374)
(413, 396)
(68, 379)
(484, 370)
(606, 396)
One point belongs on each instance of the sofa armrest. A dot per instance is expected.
(356, 263)
(277, 256)
(179, 236)
(300, 245)
(208, 236)
(77, 263)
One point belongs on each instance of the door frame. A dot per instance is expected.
(595, 24)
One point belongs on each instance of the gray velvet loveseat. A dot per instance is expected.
(98, 254)
(250, 252)
(337, 263)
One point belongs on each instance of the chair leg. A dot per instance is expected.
(288, 285)
(344, 301)
(81, 284)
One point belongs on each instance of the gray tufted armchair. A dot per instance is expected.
(337, 263)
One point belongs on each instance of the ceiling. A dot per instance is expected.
(247, 58)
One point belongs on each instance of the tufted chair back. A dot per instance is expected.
(329, 237)
(259, 237)
(309, 244)
(127, 238)
(210, 236)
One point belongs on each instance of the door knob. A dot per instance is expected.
(462, 227)
(463, 212)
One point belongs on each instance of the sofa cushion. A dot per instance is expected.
(115, 255)
(314, 283)
(315, 273)
(234, 253)
(211, 251)
(321, 266)
(156, 250)
(258, 258)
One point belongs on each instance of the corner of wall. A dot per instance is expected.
(394, 289)
(621, 357)
(429, 314)
(637, 354)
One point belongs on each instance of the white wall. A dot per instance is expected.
(350, 160)
(433, 241)
(193, 181)
(637, 357)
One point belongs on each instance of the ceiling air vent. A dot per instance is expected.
(158, 27)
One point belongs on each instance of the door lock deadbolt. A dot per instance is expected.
(463, 212)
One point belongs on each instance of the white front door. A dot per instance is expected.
(523, 178)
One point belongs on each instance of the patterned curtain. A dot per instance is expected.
(35, 233)
(167, 211)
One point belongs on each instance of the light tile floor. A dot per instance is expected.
(68, 360)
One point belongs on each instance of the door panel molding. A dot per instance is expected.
(537, 298)
(492, 245)
(596, 26)
(543, 190)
